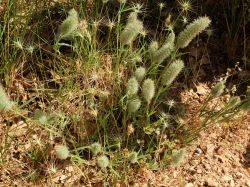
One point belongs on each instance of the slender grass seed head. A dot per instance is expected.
(62, 152)
(140, 73)
(170, 73)
(134, 105)
(148, 90)
(132, 87)
(191, 31)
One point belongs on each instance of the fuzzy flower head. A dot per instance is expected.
(133, 157)
(131, 30)
(191, 31)
(102, 161)
(62, 152)
(170, 73)
(153, 47)
(95, 148)
(178, 156)
(140, 73)
(166, 50)
(148, 90)
(5, 102)
(134, 105)
(233, 101)
(69, 25)
(218, 89)
(132, 87)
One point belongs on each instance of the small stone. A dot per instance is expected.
(189, 185)
(199, 171)
(210, 149)
(198, 150)
(232, 184)
(239, 175)
(207, 166)
(248, 183)
(227, 178)
(211, 182)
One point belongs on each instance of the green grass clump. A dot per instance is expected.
(106, 98)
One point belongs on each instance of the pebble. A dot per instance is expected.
(248, 183)
(189, 185)
(210, 149)
(239, 175)
(211, 182)
(199, 171)
(227, 178)
(198, 150)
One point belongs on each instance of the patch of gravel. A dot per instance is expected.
(220, 157)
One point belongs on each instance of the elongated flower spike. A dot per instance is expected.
(170, 73)
(134, 105)
(191, 31)
(166, 50)
(132, 87)
(131, 30)
(69, 25)
(218, 89)
(140, 73)
(148, 90)
(153, 47)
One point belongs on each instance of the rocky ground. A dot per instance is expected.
(221, 157)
